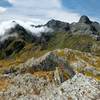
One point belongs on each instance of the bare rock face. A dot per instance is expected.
(82, 88)
(84, 19)
(58, 26)
(85, 26)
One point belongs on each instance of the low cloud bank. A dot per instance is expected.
(7, 25)
(34, 30)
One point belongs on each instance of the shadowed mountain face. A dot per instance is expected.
(83, 35)
(58, 25)
(85, 19)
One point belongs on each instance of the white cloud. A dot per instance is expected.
(39, 11)
(62, 15)
(8, 25)
(4, 26)
(34, 30)
(2, 10)
(12, 1)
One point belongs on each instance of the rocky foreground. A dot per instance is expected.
(28, 87)
(50, 77)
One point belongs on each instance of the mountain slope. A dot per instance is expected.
(83, 35)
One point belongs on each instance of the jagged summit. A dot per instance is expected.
(57, 25)
(84, 19)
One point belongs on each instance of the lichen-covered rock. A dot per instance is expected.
(48, 62)
(27, 87)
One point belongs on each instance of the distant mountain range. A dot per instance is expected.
(83, 35)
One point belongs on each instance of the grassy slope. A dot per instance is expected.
(77, 42)
(26, 53)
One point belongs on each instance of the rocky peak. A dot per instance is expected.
(84, 19)
(16, 29)
(51, 23)
(58, 25)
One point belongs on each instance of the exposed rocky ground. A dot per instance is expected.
(28, 87)
(71, 60)
(82, 62)
(36, 80)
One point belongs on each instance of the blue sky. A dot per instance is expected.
(44, 10)
(87, 7)
(5, 3)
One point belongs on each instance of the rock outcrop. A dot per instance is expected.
(28, 87)
(48, 62)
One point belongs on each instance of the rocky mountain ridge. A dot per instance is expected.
(84, 26)
(42, 36)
